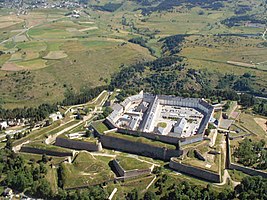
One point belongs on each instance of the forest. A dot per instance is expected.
(237, 20)
(169, 4)
(252, 154)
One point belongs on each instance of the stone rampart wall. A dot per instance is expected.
(130, 173)
(78, 145)
(138, 148)
(44, 151)
(194, 171)
(248, 170)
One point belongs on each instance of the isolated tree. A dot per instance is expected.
(8, 142)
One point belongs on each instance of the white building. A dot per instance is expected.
(55, 116)
(179, 126)
(160, 130)
(3, 125)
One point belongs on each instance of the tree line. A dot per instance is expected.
(249, 188)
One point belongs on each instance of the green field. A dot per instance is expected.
(128, 163)
(100, 126)
(91, 55)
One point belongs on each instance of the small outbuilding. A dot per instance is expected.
(3, 125)
(7, 192)
(179, 126)
(56, 116)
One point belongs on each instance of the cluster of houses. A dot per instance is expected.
(42, 4)
(4, 124)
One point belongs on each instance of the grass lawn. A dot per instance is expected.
(162, 124)
(51, 177)
(201, 164)
(79, 128)
(247, 121)
(124, 187)
(37, 133)
(100, 126)
(71, 123)
(233, 104)
(128, 163)
(217, 114)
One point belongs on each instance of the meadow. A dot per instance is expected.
(55, 44)
(68, 54)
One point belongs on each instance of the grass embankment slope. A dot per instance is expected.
(85, 170)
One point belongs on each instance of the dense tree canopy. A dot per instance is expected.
(252, 153)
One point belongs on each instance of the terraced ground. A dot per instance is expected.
(54, 44)
(61, 53)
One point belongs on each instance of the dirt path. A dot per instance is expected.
(103, 154)
(151, 182)
(262, 123)
(263, 35)
(136, 157)
(13, 37)
(227, 176)
(213, 139)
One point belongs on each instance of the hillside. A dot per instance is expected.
(48, 53)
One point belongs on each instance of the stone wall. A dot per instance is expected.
(162, 138)
(240, 136)
(152, 136)
(248, 170)
(194, 171)
(78, 145)
(44, 151)
(192, 139)
(138, 148)
(130, 173)
(119, 170)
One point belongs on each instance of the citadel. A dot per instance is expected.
(174, 117)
